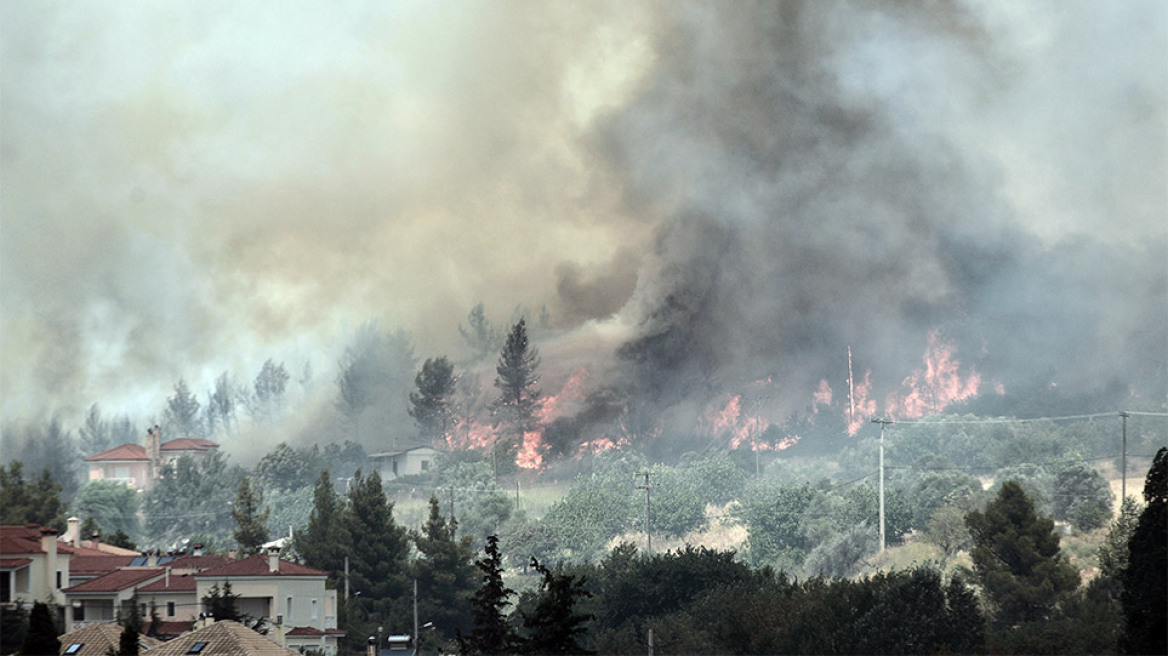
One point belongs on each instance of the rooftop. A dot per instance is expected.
(223, 638)
(122, 452)
(258, 565)
(117, 580)
(98, 640)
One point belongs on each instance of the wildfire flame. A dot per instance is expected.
(939, 385)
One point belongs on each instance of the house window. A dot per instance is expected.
(425, 465)
(78, 612)
(170, 609)
(58, 579)
(288, 609)
(122, 472)
(74, 648)
(395, 468)
(313, 609)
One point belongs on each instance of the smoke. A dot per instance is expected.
(703, 195)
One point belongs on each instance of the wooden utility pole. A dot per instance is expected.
(1123, 486)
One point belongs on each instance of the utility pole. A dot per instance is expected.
(415, 616)
(883, 423)
(758, 401)
(1123, 486)
(648, 509)
(346, 578)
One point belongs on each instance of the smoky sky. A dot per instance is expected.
(710, 192)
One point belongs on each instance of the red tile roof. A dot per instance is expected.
(117, 580)
(188, 444)
(95, 565)
(257, 565)
(199, 563)
(178, 583)
(168, 628)
(14, 563)
(223, 638)
(312, 631)
(23, 539)
(121, 453)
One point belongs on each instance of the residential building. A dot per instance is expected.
(139, 466)
(33, 565)
(410, 461)
(100, 640)
(224, 638)
(109, 597)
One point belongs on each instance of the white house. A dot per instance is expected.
(410, 461)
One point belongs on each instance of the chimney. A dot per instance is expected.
(167, 584)
(197, 549)
(152, 558)
(154, 450)
(49, 546)
(274, 559)
(74, 532)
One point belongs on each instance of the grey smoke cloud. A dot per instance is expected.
(729, 190)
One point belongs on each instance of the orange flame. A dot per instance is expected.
(936, 387)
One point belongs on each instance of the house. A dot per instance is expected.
(224, 638)
(33, 565)
(100, 640)
(410, 461)
(139, 466)
(291, 597)
(109, 597)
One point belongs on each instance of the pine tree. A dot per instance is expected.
(1016, 557)
(555, 624)
(250, 530)
(445, 573)
(128, 642)
(378, 558)
(491, 633)
(430, 405)
(1145, 580)
(517, 408)
(325, 541)
(480, 335)
(181, 415)
(221, 604)
(269, 385)
(41, 639)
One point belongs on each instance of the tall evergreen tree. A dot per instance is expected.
(431, 405)
(324, 543)
(1016, 557)
(251, 531)
(128, 642)
(221, 405)
(445, 573)
(41, 639)
(222, 604)
(1145, 580)
(491, 633)
(376, 373)
(516, 411)
(270, 385)
(378, 558)
(555, 624)
(30, 502)
(479, 334)
(181, 415)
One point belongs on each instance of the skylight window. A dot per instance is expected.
(197, 648)
(74, 648)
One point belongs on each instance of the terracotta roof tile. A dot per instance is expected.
(99, 639)
(117, 580)
(199, 563)
(95, 565)
(258, 566)
(121, 452)
(178, 583)
(188, 444)
(14, 563)
(224, 638)
(169, 628)
(313, 631)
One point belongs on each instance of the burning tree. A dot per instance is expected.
(516, 411)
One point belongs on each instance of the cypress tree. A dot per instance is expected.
(445, 573)
(519, 402)
(1145, 580)
(250, 530)
(378, 559)
(41, 639)
(491, 633)
(555, 624)
(324, 543)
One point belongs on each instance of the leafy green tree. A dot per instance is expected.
(445, 573)
(30, 502)
(1145, 580)
(181, 414)
(516, 411)
(934, 489)
(1016, 557)
(717, 478)
(112, 504)
(773, 514)
(946, 529)
(324, 543)
(431, 405)
(121, 539)
(284, 468)
(487, 514)
(250, 530)
(193, 496)
(41, 639)
(677, 506)
(862, 504)
(491, 633)
(378, 557)
(1113, 553)
(555, 626)
(842, 554)
(594, 510)
(1081, 496)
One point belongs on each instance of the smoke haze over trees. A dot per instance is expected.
(703, 196)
